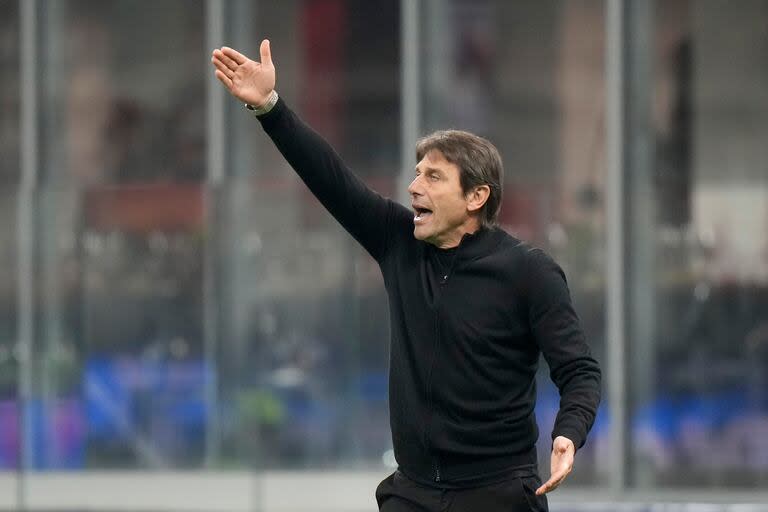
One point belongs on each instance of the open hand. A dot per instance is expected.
(563, 452)
(247, 80)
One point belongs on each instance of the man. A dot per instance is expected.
(471, 309)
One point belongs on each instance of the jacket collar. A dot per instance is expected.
(477, 244)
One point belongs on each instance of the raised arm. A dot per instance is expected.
(362, 212)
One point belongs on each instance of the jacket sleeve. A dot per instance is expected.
(558, 332)
(362, 212)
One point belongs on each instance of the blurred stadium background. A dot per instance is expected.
(182, 327)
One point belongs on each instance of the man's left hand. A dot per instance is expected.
(563, 452)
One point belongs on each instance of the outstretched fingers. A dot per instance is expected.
(224, 79)
(226, 61)
(234, 55)
(553, 483)
(245, 79)
(223, 68)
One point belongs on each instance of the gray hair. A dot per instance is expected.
(478, 161)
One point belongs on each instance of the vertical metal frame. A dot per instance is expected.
(27, 195)
(629, 222)
(615, 269)
(214, 38)
(215, 162)
(410, 91)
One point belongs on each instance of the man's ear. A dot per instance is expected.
(477, 197)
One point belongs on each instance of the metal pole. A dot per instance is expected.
(214, 21)
(639, 219)
(614, 215)
(410, 88)
(25, 237)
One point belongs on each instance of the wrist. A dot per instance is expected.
(562, 442)
(569, 432)
(260, 110)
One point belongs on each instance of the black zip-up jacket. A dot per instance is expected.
(467, 328)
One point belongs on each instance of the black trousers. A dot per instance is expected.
(398, 493)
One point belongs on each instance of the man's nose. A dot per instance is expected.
(414, 188)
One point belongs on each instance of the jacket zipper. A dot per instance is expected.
(436, 462)
(430, 405)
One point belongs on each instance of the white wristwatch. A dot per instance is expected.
(268, 105)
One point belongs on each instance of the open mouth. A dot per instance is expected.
(421, 214)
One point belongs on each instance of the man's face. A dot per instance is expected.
(441, 216)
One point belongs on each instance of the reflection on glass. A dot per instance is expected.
(9, 406)
(123, 91)
(121, 230)
(9, 94)
(9, 177)
(303, 358)
(701, 405)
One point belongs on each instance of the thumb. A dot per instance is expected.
(266, 54)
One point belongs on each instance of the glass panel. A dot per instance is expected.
(529, 76)
(10, 131)
(123, 94)
(121, 227)
(700, 402)
(304, 352)
(10, 441)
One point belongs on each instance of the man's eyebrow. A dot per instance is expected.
(429, 169)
